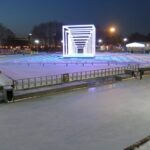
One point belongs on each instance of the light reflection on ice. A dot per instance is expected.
(92, 89)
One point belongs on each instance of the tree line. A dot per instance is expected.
(50, 34)
(5, 33)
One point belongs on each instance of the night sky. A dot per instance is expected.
(129, 15)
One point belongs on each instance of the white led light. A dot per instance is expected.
(79, 41)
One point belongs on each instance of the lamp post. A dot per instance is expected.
(112, 30)
(100, 41)
(125, 40)
(112, 33)
(37, 42)
(29, 38)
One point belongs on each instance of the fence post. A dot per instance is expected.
(28, 83)
(35, 82)
(90, 74)
(76, 76)
(52, 80)
(14, 84)
(112, 71)
(108, 71)
(41, 81)
(22, 84)
(116, 70)
(57, 79)
(85, 75)
(71, 77)
(105, 72)
(46, 81)
(94, 74)
(101, 72)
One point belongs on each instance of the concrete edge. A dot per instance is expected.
(49, 91)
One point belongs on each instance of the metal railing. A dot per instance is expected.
(68, 63)
(35, 82)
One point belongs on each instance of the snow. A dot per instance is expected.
(45, 64)
(110, 117)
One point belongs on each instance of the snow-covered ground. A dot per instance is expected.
(28, 66)
(111, 117)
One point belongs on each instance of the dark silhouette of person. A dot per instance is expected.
(141, 74)
(133, 74)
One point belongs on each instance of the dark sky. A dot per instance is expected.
(129, 15)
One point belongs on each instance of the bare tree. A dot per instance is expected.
(49, 33)
(5, 33)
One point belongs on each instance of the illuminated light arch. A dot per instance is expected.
(79, 40)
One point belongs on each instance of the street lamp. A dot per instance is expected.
(112, 35)
(29, 38)
(36, 42)
(100, 41)
(112, 29)
(124, 44)
(125, 40)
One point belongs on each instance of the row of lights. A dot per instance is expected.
(112, 30)
(35, 41)
(101, 41)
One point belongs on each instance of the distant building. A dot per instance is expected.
(142, 47)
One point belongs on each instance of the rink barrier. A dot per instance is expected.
(140, 145)
(42, 81)
(69, 63)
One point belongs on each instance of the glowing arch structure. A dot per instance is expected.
(79, 40)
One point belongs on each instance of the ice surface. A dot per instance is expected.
(146, 146)
(111, 117)
(28, 66)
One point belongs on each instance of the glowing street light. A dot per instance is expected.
(100, 41)
(36, 41)
(30, 40)
(112, 29)
(125, 39)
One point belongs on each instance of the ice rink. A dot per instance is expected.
(111, 117)
(45, 64)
